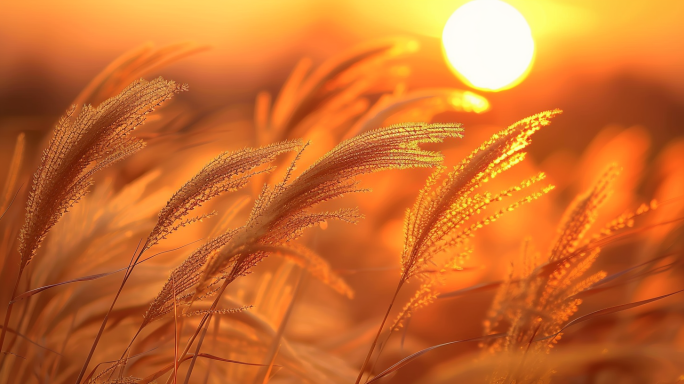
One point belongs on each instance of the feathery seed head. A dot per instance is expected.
(432, 224)
(80, 147)
(281, 213)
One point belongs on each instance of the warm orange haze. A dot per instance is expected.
(348, 192)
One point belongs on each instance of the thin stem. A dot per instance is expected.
(131, 265)
(264, 372)
(8, 314)
(382, 325)
(175, 332)
(217, 325)
(219, 294)
(197, 351)
(190, 342)
(130, 344)
(205, 321)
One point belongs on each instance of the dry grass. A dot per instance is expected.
(88, 301)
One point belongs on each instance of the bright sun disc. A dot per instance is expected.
(488, 44)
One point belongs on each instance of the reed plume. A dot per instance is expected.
(214, 310)
(220, 175)
(281, 213)
(333, 93)
(183, 278)
(339, 96)
(536, 300)
(417, 105)
(80, 147)
(132, 65)
(433, 224)
(437, 221)
(97, 138)
(229, 171)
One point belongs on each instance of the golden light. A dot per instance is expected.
(488, 44)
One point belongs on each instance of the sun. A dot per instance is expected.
(488, 44)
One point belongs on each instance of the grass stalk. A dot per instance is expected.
(377, 336)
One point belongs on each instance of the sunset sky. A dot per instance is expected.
(71, 40)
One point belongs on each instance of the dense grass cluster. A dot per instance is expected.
(96, 295)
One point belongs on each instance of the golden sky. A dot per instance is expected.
(76, 37)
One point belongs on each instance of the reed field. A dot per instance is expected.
(342, 228)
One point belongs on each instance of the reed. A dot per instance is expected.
(110, 278)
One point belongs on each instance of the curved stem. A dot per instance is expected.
(382, 325)
(8, 314)
(264, 372)
(131, 265)
(206, 321)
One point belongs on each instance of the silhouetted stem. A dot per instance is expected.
(104, 321)
(8, 314)
(217, 326)
(190, 342)
(264, 372)
(382, 325)
(206, 321)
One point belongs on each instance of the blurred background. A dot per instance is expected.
(616, 69)
(602, 62)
